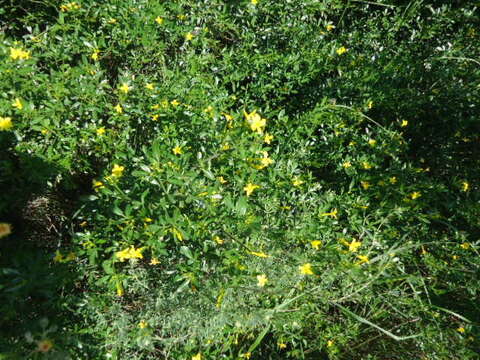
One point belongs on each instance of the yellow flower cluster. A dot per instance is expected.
(117, 171)
(264, 161)
(142, 324)
(262, 280)
(19, 54)
(297, 182)
(332, 213)
(341, 50)
(177, 150)
(96, 184)
(70, 6)
(129, 253)
(415, 195)
(17, 104)
(259, 254)
(5, 123)
(250, 188)
(95, 54)
(255, 121)
(63, 259)
(316, 244)
(124, 88)
(306, 269)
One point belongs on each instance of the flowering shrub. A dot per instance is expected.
(241, 180)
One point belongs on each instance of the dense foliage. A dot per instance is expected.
(239, 179)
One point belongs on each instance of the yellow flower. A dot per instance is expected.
(465, 245)
(365, 184)
(44, 345)
(5, 123)
(255, 121)
(19, 54)
(415, 195)
(306, 269)
(218, 240)
(347, 164)
(297, 182)
(149, 86)
(58, 258)
(222, 180)
(159, 20)
(101, 131)
(465, 186)
(250, 188)
(155, 117)
(259, 254)
(354, 245)
(175, 102)
(197, 357)
(70, 6)
(404, 123)
(316, 244)
(333, 213)
(264, 161)
(154, 261)
(188, 36)
(281, 345)
(177, 150)
(363, 259)
(461, 329)
(370, 104)
(393, 180)
(117, 170)
(341, 50)
(176, 233)
(372, 142)
(17, 104)
(124, 88)
(112, 21)
(5, 229)
(70, 256)
(254, 2)
(262, 280)
(330, 27)
(129, 253)
(366, 165)
(247, 355)
(118, 108)
(330, 343)
(120, 290)
(268, 138)
(95, 54)
(142, 324)
(97, 184)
